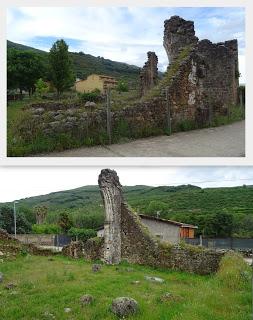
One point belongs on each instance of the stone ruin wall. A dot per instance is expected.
(206, 82)
(204, 85)
(134, 242)
(149, 73)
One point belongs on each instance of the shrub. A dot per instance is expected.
(41, 87)
(234, 272)
(46, 229)
(94, 96)
(82, 234)
(122, 86)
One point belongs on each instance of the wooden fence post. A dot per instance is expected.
(210, 116)
(108, 114)
(168, 112)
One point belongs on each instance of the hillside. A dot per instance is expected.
(86, 64)
(185, 203)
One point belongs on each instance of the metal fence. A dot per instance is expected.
(61, 240)
(222, 243)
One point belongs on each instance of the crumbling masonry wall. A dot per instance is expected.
(149, 73)
(126, 238)
(205, 83)
(111, 192)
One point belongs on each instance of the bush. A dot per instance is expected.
(46, 229)
(122, 86)
(82, 234)
(94, 96)
(234, 272)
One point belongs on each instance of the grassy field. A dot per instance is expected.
(46, 287)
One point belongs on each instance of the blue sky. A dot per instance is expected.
(64, 178)
(121, 33)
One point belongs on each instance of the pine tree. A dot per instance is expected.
(61, 67)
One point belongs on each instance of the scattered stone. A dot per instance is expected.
(96, 267)
(86, 299)
(170, 297)
(90, 104)
(13, 293)
(67, 310)
(136, 282)
(154, 279)
(38, 110)
(124, 306)
(10, 286)
(47, 314)
(1, 253)
(1, 277)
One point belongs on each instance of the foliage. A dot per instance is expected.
(203, 207)
(7, 220)
(46, 229)
(219, 225)
(54, 285)
(24, 68)
(94, 96)
(234, 272)
(65, 221)
(86, 64)
(61, 69)
(122, 86)
(41, 87)
(82, 234)
(40, 212)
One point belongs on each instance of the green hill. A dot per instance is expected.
(86, 64)
(185, 203)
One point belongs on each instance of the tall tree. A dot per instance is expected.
(24, 68)
(65, 222)
(7, 221)
(61, 67)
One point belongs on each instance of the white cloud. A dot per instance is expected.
(26, 182)
(121, 34)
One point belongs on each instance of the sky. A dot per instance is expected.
(122, 34)
(27, 182)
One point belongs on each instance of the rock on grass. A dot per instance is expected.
(124, 306)
(86, 299)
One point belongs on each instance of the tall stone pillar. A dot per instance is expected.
(178, 34)
(111, 191)
(149, 73)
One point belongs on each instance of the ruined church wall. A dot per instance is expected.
(139, 246)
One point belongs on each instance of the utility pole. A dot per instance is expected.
(15, 218)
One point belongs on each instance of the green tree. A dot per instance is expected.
(65, 222)
(219, 225)
(61, 68)
(41, 87)
(122, 86)
(7, 221)
(24, 68)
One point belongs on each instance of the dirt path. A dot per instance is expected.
(224, 141)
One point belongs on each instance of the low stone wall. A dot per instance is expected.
(10, 246)
(37, 239)
(92, 249)
(140, 120)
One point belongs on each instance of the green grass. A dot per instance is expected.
(50, 286)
